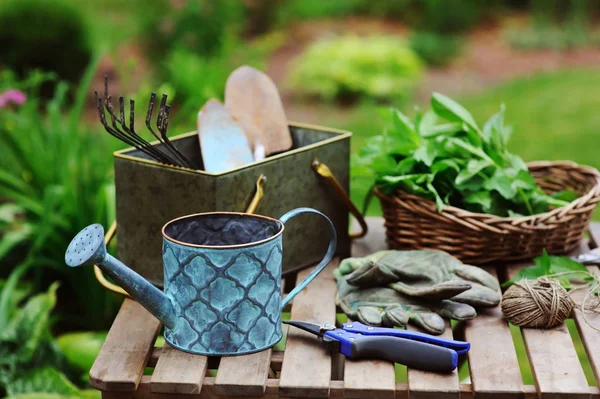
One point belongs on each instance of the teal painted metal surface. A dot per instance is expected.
(222, 278)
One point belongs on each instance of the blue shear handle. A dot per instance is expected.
(414, 354)
(324, 262)
(460, 347)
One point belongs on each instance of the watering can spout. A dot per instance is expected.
(88, 248)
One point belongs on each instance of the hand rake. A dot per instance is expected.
(127, 134)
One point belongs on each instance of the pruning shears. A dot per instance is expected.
(413, 349)
(588, 258)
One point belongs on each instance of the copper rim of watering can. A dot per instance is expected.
(250, 244)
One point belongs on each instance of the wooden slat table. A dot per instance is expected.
(305, 369)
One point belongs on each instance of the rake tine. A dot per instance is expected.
(149, 114)
(122, 110)
(161, 127)
(161, 112)
(136, 142)
(132, 132)
(149, 126)
(159, 122)
(132, 138)
(131, 114)
(163, 131)
(116, 134)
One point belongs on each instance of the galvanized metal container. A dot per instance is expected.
(149, 194)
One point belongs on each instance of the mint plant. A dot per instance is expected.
(445, 156)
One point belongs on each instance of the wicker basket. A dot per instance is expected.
(413, 222)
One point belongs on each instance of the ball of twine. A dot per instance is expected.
(541, 303)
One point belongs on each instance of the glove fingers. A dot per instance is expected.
(371, 275)
(395, 316)
(369, 315)
(428, 321)
(454, 310)
(479, 296)
(443, 290)
(477, 275)
(346, 267)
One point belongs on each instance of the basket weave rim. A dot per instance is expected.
(477, 220)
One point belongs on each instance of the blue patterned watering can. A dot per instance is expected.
(222, 277)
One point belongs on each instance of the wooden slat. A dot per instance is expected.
(553, 360)
(276, 360)
(121, 361)
(178, 372)
(589, 337)
(374, 241)
(493, 361)
(425, 384)
(369, 378)
(306, 367)
(243, 375)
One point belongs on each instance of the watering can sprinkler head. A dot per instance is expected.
(87, 248)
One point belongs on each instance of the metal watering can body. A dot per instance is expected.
(222, 278)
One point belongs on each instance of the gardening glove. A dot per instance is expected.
(428, 274)
(386, 306)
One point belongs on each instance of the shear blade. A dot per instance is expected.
(330, 343)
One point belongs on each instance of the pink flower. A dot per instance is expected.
(13, 96)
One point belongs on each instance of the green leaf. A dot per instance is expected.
(396, 179)
(446, 129)
(426, 153)
(501, 183)
(7, 305)
(9, 212)
(45, 395)
(81, 348)
(473, 168)
(524, 181)
(459, 146)
(47, 379)
(565, 195)
(18, 234)
(516, 162)
(444, 164)
(426, 123)
(10, 180)
(452, 111)
(400, 128)
(414, 183)
(438, 200)
(549, 265)
(471, 185)
(481, 198)
(30, 325)
(561, 264)
(405, 166)
(494, 131)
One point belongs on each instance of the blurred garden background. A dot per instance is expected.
(335, 63)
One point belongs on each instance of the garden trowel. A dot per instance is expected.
(222, 141)
(252, 98)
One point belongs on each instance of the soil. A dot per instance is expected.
(486, 60)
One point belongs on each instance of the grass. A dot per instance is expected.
(555, 117)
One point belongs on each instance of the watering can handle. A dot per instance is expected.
(324, 262)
